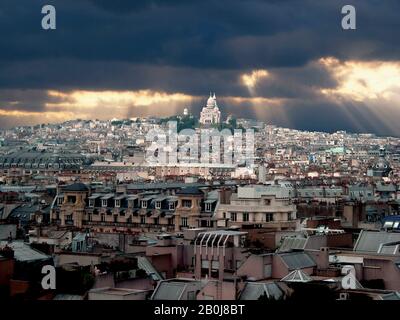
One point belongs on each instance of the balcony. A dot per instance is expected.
(127, 225)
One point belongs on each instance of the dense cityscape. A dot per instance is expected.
(315, 215)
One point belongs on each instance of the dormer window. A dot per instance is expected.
(144, 204)
(186, 203)
(208, 207)
(104, 203)
(117, 203)
(171, 205)
(158, 204)
(91, 203)
(71, 199)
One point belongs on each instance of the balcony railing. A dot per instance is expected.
(128, 224)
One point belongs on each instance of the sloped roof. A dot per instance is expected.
(297, 276)
(23, 252)
(371, 241)
(297, 260)
(145, 264)
(253, 291)
(290, 243)
(190, 191)
(169, 290)
(79, 187)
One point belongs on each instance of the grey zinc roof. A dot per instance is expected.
(253, 291)
(163, 185)
(23, 252)
(107, 196)
(145, 264)
(371, 241)
(95, 196)
(290, 243)
(389, 249)
(6, 229)
(297, 260)
(24, 212)
(169, 290)
(79, 187)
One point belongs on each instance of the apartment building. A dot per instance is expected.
(258, 206)
(76, 206)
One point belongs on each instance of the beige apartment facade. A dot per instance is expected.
(258, 205)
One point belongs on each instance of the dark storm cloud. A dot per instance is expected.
(208, 34)
(193, 47)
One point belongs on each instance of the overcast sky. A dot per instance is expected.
(286, 62)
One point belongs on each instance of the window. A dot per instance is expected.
(60, 200)
(224, 215)
(186, 203)
(156, 221)
(158, 204)
(208, 207)
(170, 221)
(71, 199)
(245, 217)
(103, 217)
(142, 219)
(104, 203)
(171, 205)
(117, 203)
(144, 204)
(184, 222)
(68, 217)
(233, 216)
(269, 217)
(215, 264)
(290, 216)
(267, 202)
(91, 203)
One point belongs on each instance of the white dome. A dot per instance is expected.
(211, 102)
